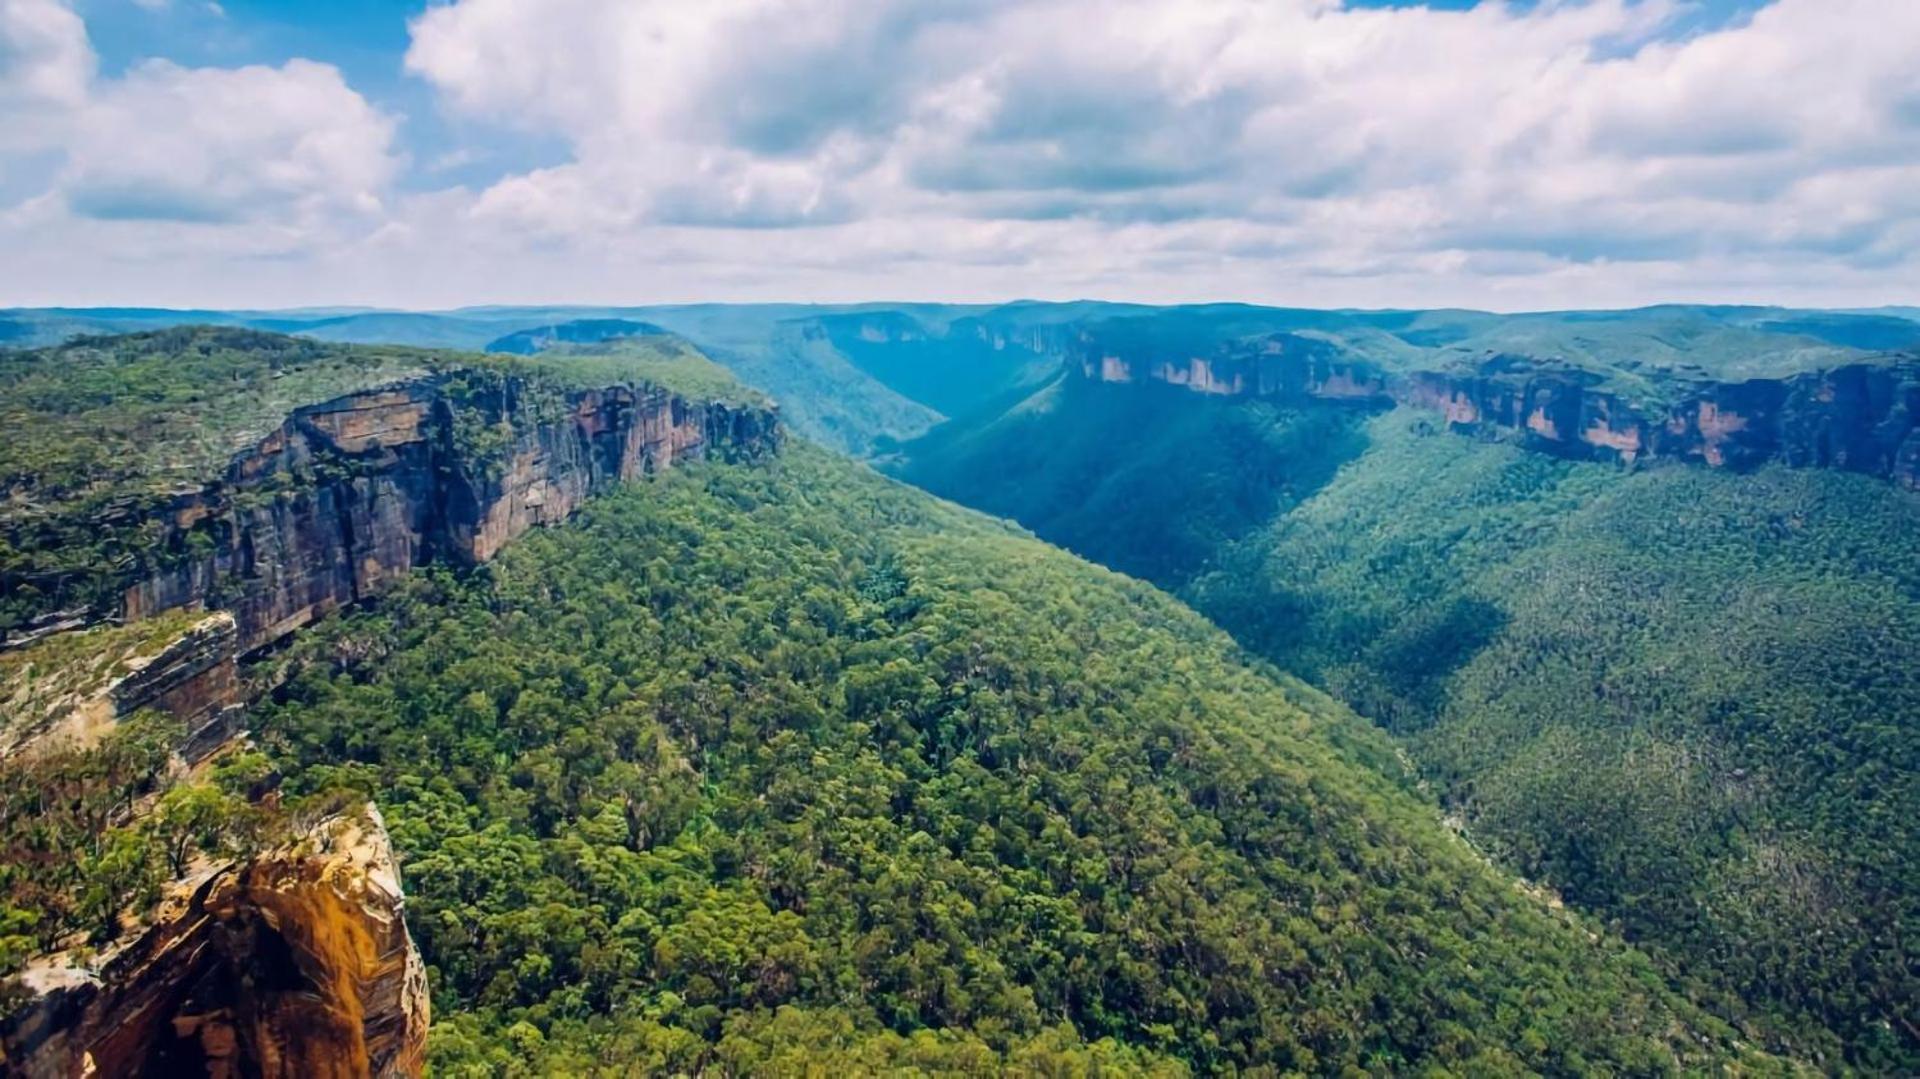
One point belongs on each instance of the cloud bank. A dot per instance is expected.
(1295, 151)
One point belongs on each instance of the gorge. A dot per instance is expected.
(332, 574)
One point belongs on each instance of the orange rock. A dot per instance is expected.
(295, 963)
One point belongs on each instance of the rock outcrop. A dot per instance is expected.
(1860, 417)
(348, 495)
(295, 963)
(69, 690)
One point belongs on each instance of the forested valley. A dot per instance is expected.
(1682, 698)
(1406, 748)
(770, 767)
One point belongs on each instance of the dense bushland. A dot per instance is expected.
(792, 764)
(1684, 698)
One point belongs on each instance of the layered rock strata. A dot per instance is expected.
(348, 495)
(70, 699)
(1859, 418)
(295, 963)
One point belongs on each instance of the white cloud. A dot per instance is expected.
(169, 157)
(289, 144)
(1335, 140)
(45, 68)
(1564, 153)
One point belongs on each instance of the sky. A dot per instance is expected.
(1507, 156)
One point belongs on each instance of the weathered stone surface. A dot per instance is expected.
(190, 672)
(194, 678)
(294, 963)
(298, 962)
(347, 495)
(1860, 417)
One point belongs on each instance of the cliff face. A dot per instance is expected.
(1054, 340)
(295, 963)
(347, 495)
(1860, 417)
(1284, 366)
(71, 689)
(193, 678)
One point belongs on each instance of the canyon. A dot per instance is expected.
(1860, 417)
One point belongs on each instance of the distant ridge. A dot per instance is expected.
(585, 331)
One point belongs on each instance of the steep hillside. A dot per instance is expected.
(280, 477)
(1683, 697)
(1141, 482)
(823, 395)
(779, 766)
(179, 503)
(1680, 696)
(955, 365)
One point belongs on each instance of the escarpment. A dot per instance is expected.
(347, 495)
(1862, 417)
(277, 947)
(294, 963)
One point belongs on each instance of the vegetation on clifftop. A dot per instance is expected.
(92, 834)
(105, 418)
(103, 432)
(43, 682)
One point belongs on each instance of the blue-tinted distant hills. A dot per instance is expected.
(860, 377)
(584, 331)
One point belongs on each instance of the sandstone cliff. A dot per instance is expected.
(69, 689)
(347, 495)
(295, 963)
(1858, 417)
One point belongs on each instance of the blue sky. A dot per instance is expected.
(1564, 153)
(365, 39)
